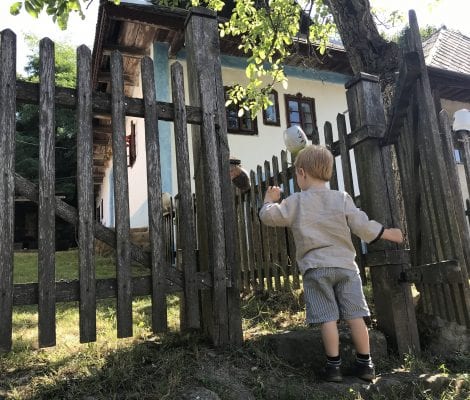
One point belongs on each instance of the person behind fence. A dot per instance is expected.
(322, 220)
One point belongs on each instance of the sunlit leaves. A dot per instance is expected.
(15, 8)
(59, 10)
(265, 32)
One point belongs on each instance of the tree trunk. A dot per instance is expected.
(367, 50)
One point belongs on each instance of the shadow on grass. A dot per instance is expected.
(150, 370)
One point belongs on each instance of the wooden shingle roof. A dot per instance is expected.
(448, 50)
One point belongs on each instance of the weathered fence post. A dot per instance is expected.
(187, 239)
(121, 195)
(214, 194)
(392, 298)
(46, 218)
(7, 182)
(86, 233)
(154, 191)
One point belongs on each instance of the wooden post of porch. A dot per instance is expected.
(393, 300)
(214, 194)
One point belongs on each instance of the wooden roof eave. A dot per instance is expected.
(452, 85)
(172, 18)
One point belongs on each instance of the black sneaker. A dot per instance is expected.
(364, 371)
(332, 373)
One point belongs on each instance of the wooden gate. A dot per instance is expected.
(210, 267)
(435, 213)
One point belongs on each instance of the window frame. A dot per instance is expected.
(275, 105)
(240, 131)
(299, 98)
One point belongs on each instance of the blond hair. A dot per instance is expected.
(316, 161)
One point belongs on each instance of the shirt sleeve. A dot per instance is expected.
(360, 224)
(278, 214)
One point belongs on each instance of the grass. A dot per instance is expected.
(150, 366)
(26, 267)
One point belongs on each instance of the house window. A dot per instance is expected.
(235, 124)
(131, 149)
(301, 111)
(271, 114)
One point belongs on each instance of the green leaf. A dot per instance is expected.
(15, 8)
(30, 9)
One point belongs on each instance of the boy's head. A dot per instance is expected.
(316, 161)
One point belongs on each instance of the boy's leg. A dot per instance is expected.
(353, 306)
(330, 336)
(321, 306)
(360, 335)
(363, 366)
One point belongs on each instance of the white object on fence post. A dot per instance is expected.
(295, 139)
(461, 120)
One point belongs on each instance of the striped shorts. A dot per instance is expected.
(333, 293)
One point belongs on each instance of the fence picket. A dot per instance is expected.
(86, 232)
(244, 255)
(7, 183)
(251, 252)
(121, 196)
(46, 217)
(328, 132)
(294, 270)
(264, 235)
(281, 244)
(272, 233)
(154, 193)
(256, 229)
(187, 227)
(348, 184)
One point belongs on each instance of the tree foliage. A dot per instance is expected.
(27, 135)
(59, 10)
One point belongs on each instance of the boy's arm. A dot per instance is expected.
(368, 230)
(273, 213)
(360, 224)
(392, 235)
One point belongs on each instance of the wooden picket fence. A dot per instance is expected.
(267, 254)
(219, 316)
(196, 251)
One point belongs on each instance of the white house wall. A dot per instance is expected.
(105, 199)
(137, 178)
(253, 150)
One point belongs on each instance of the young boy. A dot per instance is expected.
(322, 221)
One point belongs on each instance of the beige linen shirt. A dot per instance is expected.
(322, 221)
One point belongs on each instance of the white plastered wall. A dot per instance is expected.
(253, 150)
(137, 178)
